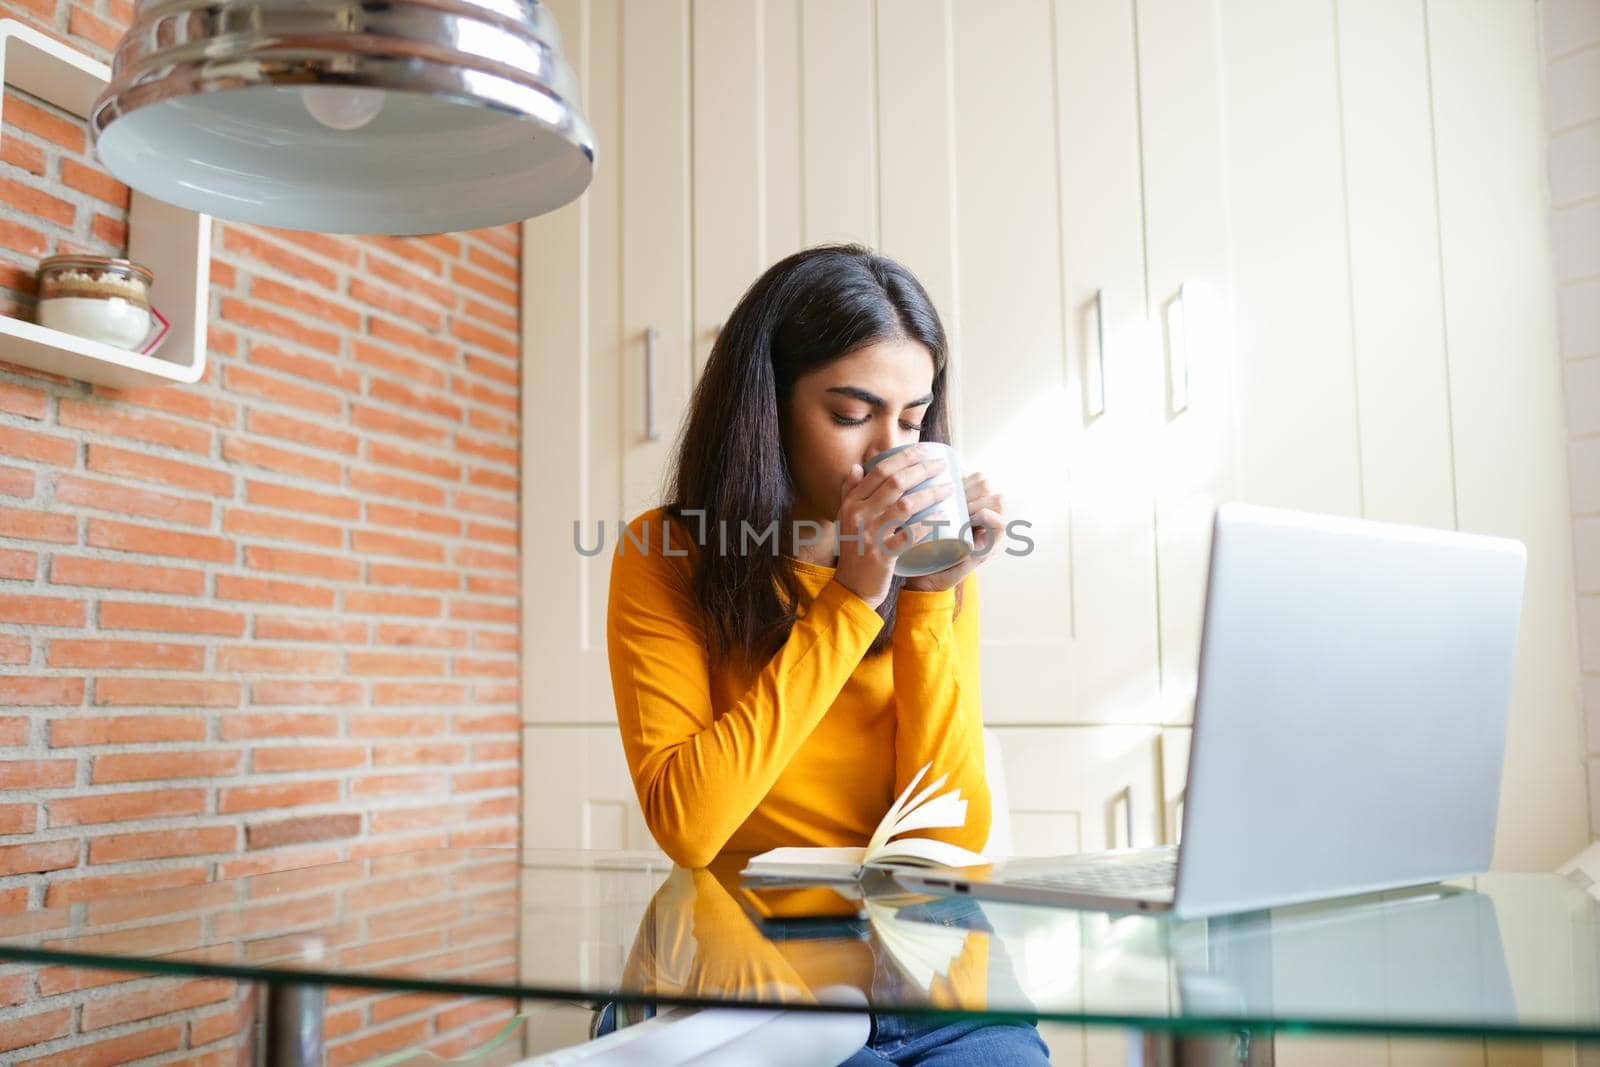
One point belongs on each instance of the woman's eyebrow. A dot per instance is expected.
(873, 399)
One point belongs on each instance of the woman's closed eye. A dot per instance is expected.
(842, 421)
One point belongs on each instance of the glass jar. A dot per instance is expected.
(97, 297)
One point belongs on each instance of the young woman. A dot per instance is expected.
(776, 683)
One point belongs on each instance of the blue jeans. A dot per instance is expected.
(949, 1040)
(935, 1041)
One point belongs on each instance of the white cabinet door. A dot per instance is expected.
(1015, 406)
(1296, 383)
(780, 135)
(577, 790)
(1112, 410)
(1081, 788)
(727, 166)
(1402, 374)
(1047, 215)
(1188, 303)
(839, 188)
(653, 155)
(599, 274)
(916, 167)
(574, 440)
(1506, 394)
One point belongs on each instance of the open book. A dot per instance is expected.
(923, 811)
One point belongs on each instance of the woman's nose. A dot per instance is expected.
(882, 445)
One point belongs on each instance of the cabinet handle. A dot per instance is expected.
(1128, 815)
(1095, 367)
(1122, 798)
(1178, 351)
(650, 431)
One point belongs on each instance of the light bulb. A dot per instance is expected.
(341, 107)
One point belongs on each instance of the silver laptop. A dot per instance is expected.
(1349, 724)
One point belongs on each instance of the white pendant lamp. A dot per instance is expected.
(347, 116)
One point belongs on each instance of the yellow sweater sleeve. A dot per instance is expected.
(938, 714)
(698, 777)
(965, 986)
(695, 941)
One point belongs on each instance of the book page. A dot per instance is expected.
(922, 811)
(911, 810)
(886, 825)
(925, 850)
(942, 811)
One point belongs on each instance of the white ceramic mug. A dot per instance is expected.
(944, 545)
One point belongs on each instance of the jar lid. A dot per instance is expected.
(98, 263)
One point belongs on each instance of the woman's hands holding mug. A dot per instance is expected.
(986, 506)
(871, 506)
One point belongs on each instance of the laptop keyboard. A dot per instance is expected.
(1129, 877)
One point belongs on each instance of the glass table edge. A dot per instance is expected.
(1210, 1024)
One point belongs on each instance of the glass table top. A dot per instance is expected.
(1495, 955)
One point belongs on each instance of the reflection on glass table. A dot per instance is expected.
(1502, 955)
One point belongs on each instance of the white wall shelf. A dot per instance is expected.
(175, 244)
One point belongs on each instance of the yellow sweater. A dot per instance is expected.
(809, 748)
(694, 940)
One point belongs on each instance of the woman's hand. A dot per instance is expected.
(986, 508)
(871, 507)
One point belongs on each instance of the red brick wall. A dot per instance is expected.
(268, 620)
(442, 914)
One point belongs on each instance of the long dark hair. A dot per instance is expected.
(807, 310)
